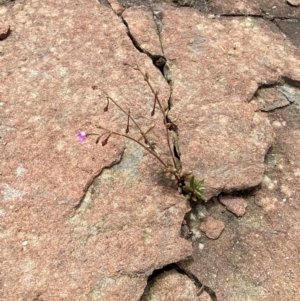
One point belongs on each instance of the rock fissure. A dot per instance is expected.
(128, 224)
(159, 62)
(274, 96)
(174, 268)
(90, 183)
(200, 285)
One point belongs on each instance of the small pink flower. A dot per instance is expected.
(81, 136)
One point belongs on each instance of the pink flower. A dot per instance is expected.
(81, 136)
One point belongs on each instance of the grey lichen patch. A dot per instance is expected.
(10, 194)
(292, 94)
(128, 169)
(274, 97)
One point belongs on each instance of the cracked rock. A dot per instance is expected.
(173, 286)
(222, 139)
(143, 28)
(258, 254)
(269, 99)
(116, 6)
(235, 205)
(65, 247)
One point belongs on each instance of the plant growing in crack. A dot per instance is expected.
(171, 167)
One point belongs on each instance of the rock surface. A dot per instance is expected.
(236, 205)
(4, 30)
(53, 247)
(291, 28)
(271, 9)
(217, 142)
(75, 224)
(212, 228)
(270, 99)
(257, 255)
(173, 286)
(142, 27)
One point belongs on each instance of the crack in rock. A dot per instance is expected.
(270, 98)
(173, 282)
(135, 19)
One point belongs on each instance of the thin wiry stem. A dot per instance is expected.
(148, 149)
(128, 116)
(157, 100)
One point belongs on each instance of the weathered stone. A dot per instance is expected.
(212, 228)
(173, 286)
(291, 28)
(293, 2)
(133, 233)
(116, 6)
(53, 65)
(269, 99)
(267, 8)
(221, 137)
(258, 255)
(234, 7)
(141, 24)
(4, 30)
(235, 205)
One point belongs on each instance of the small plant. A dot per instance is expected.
(193, 190)
(171, 166)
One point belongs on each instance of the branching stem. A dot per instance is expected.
(128, 116)
(148, 149)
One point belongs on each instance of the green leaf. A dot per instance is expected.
(187, 189)
(192, 181)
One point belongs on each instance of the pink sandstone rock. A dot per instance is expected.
(140, 20)
(116, 6)
(213, 83)
(236, 205)
(212, 228)
(271, 9)
(59, 242)
(4, 30)
(53, 65)
(257, 255)
(173, 286)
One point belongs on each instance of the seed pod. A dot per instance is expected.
(104, 142)
(106, 107)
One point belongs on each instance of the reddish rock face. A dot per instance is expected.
(212, 228)
(257, 255)
(273, 8)
(4, 30)
(142, 27)
(66, 235)
(52, 246)
(235, 205)
(285, 13)
(173, 286)
(213, 81)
